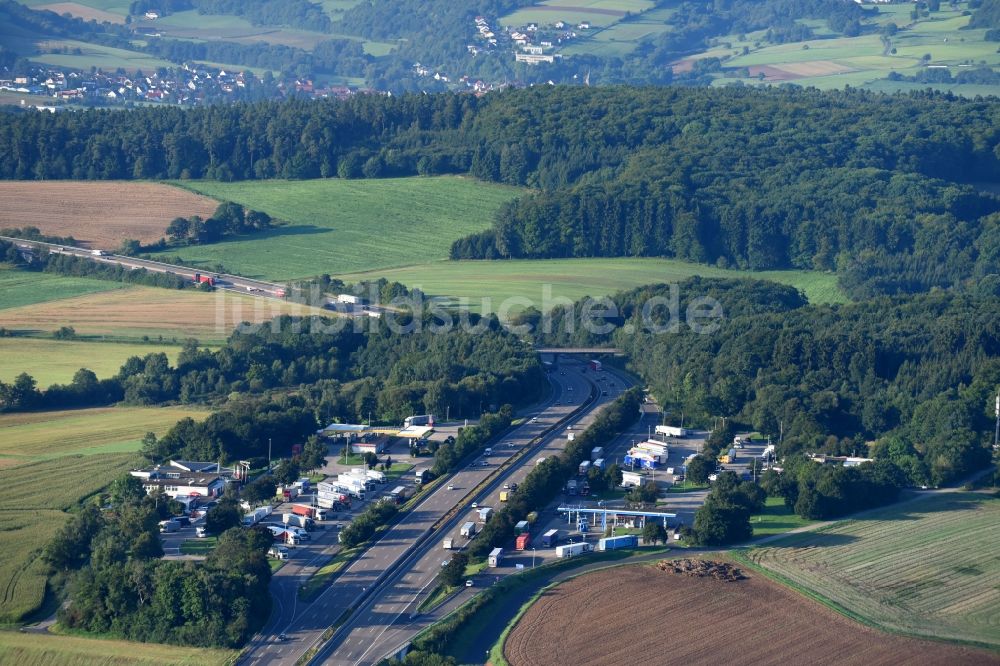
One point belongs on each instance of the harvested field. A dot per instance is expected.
(815, 68)
(598, 618)
(772, 73)
(45, 649)
(82, 11)
(100, 214)
(138, 311)
(927, 567)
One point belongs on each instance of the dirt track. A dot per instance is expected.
(99, 213)
(640, 615)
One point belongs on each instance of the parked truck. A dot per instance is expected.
(296, 520)
(571, 487)
(484, 513)
(313, 512)
(671, 431)
(421, 476)
(375, 475)
(616, 542)
(597, 452)
(496, 557)
(595, 365)
(449, 543)
(504, 495)
(468, 530)
(522, 541)
(256, 516)
(550, 538)
(599, 464)
(571, 436)
(169, 526)
(572, 549)
(584, 468)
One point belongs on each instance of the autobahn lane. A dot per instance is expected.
(306, 622)
(389, 620)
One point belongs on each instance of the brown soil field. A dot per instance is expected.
(139, 311)
(100, 214)
(82, 11)
(814, 68)
(773, 73)
(640, 615)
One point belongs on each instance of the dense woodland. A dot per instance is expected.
(913, 376)
(879, 188)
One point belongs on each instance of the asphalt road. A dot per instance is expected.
(304, 623)
(389, 619)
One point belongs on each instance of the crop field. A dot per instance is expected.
(46, 649)
(833, 62)
(575, 278)
(100, 214)
(46, 435)
(55, 361)
(33, 497)
(338, 226)
(927, 568)
(82, 11)
(161, 315)
(597, 618)
(21, 288)
(94, 55)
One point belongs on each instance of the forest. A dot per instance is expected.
(882, 189)
(907, 379)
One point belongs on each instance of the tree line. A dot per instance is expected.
(877, 188)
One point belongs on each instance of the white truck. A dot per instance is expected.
(572, 549)
(468, 530)
(484, 513)
(449, 543)
(671, 431)
(295, 520)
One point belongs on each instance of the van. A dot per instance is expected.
(488, 451)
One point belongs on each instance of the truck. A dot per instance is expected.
(504, 495)
(549, 538)
(655, 447)
(642, 459)
(597, 452)
(631, 479)
(571, 436)
(496, 557)
(256, 516)
(571, 487)
(616, 542)
(97, 253)
(375, 475)
(169, 526)
(728, 457)
(419, 420)
(288, 492)
(204, 279)
(484, 513)
(449, 543)
(521, 527)
(584, 468)
(595, 365)
(671, 431)
(599, 464)
(348, 299)
(572, 549)
(522, 541)
(421, 476)
(296, 520)
(468, 530)
(309, 511)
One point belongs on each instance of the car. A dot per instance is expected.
(534, 419)
(445, 563)
(282, 637)
(513, 486)
(475, 505)
(506, 486)
(468, 583)
(451, 487)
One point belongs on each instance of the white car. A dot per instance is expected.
(468, 583)
(475, 505)
(451, 487)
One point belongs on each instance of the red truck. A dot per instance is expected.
(309, 511)
(522, 542)
(204, 279)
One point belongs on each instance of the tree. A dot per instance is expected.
(644, 494)
(178, 229)
(654, 532)
(223, 516)
(287, 471)
(126, 490)
(371, 459)
(699, 468)
(453, 574)
(260, 490)
(719, 523)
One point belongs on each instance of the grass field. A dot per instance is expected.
(47, 649)
(600, 13)
(46, 435)
(56, 361)
(575, 278)
(20, 288)
(99, 214)
(161, 315)
(339, 226)
(926, 568)
(776, 519)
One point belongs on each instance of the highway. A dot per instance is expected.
(388, 619)
(305, 623)
(234, 283)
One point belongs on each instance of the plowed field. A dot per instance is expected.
(639, 615)
(101, 214)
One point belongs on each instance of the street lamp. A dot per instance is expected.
(532, 558)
